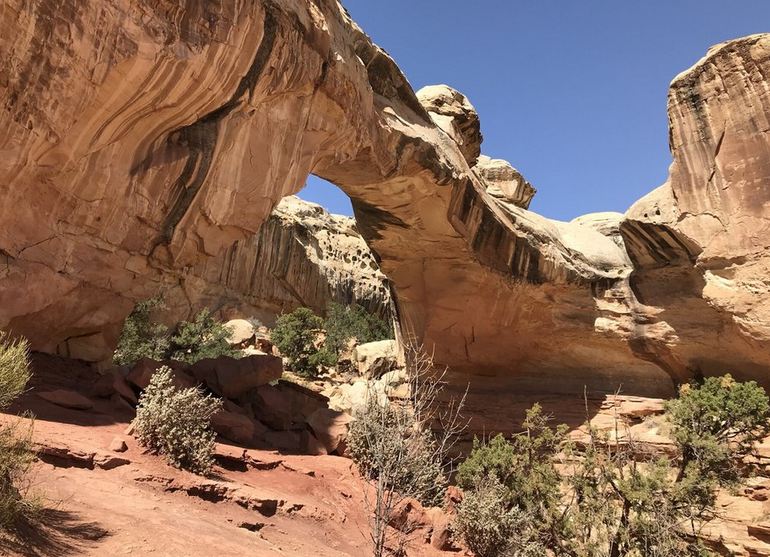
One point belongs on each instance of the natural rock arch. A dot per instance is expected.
(141, 143)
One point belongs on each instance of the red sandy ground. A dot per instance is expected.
(257, 502)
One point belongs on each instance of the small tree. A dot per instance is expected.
(403, 447)
(191, 341)
(525, 469)
(203, 337)
(141, 336)
(297, 336)
(344, 323)
(177, 422)
(618, 499)
(16, 453)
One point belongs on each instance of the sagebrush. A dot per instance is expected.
(384, 439)
(176, 422)
(403, 444)
(16, 454)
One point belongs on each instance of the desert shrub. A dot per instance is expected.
(387, 445)
(141, 337)
(296, 335)
(176, 422)
(621, 500)
(16, 453)
(490, 526)
(717, 423)
(203, 337)
(14, 369)
(344, 323)
(524, 465)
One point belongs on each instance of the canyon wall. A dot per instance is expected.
(144, 140)
(302, 256)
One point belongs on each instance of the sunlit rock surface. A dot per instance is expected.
(302, 256)
(143, 140)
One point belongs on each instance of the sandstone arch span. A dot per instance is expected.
(144, 138)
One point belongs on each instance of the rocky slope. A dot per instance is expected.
(145, 139)
(102, 494)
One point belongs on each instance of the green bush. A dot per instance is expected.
(141, 336)
(203, 337)
(344, 323)
(524, 466)
(385, 443)
(622, 501)
(296, 335)
(490, 527)
(717, 423)
(177, 422)
(16, 453)
(191, 341)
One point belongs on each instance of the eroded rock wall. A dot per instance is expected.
(302, 256)
(701, 242)
(145, 139)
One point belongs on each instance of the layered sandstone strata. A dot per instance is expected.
(144, 139)
(302, 256)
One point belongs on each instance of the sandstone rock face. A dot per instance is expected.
(301, 256)
(142, 147)
(451, 111)
(700, 243)
(504, 182)
(374, 359)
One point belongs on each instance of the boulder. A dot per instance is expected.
(303, 402)
(441, 536)
(143, 370)
(290, 441)
(376, 358)
(113, 382)
(451, 111)
(241, 332)
(107, 461)
(237, 427)
(67, 399)
(408, 515)
(311, 445)
(504, 182)
(118, 445)
(330, 427)
(273, 407)
(234, 377)
(122, 403)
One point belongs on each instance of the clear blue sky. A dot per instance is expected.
(571, 92)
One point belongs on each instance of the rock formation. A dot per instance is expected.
(301, 256)
(144, 139)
